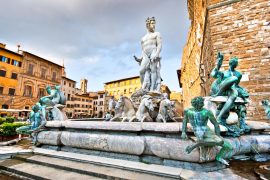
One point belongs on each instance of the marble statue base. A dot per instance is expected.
(159, 143)
(232, 121)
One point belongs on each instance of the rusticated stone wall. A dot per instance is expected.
(190, 66)
(236, 28)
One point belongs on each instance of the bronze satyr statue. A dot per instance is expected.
(198, 117)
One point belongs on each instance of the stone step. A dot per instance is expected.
(151, 169)
(85, 168)
(147, 170)
(36, 171)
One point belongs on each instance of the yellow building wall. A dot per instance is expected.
(125, 87)
(6, 82)
(176, 96)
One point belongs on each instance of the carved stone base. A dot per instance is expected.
(150, 142)
(234, 120)
(149, 159)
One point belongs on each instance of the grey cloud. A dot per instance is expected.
(75, 30)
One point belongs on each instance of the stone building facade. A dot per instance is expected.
(100, 104)
(68, 87)
(176, 96)
(36, 74)
(235, 28)
(82, 105)
(125, 87)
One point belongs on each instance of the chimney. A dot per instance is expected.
(18, 47)
(2, 45)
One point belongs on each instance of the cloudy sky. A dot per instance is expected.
(96, 39)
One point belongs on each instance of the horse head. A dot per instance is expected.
(148, 103)
(112, 104)
(120, 103)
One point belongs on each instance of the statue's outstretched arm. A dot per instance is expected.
(139, 60)
(214, 122)
(215, 72)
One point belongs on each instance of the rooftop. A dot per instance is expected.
(4, 49)
(64, 77)
(133, 77)
(42, 58)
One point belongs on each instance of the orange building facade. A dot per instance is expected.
(10, 68)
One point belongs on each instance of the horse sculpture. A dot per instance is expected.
(145, 107)
(165, 111)
(124, 110)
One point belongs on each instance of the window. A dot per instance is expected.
(5, 59)
(4, 106)
(101, 96)
(14, 62)
(43, 73)
(41, 92)
(68, 98)
(1, 90)
(125, 91)
(54, 76)
(73, 85)
(100, 103)
(30, 69)
(69, 84)
(3, 73)
(11, 91)
(64, 82)
(28, 91)
(130, 90)
(14, 76)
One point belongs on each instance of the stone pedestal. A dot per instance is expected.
(233, 121)
(156, 143)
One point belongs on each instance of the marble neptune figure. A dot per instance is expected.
(150, 60)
